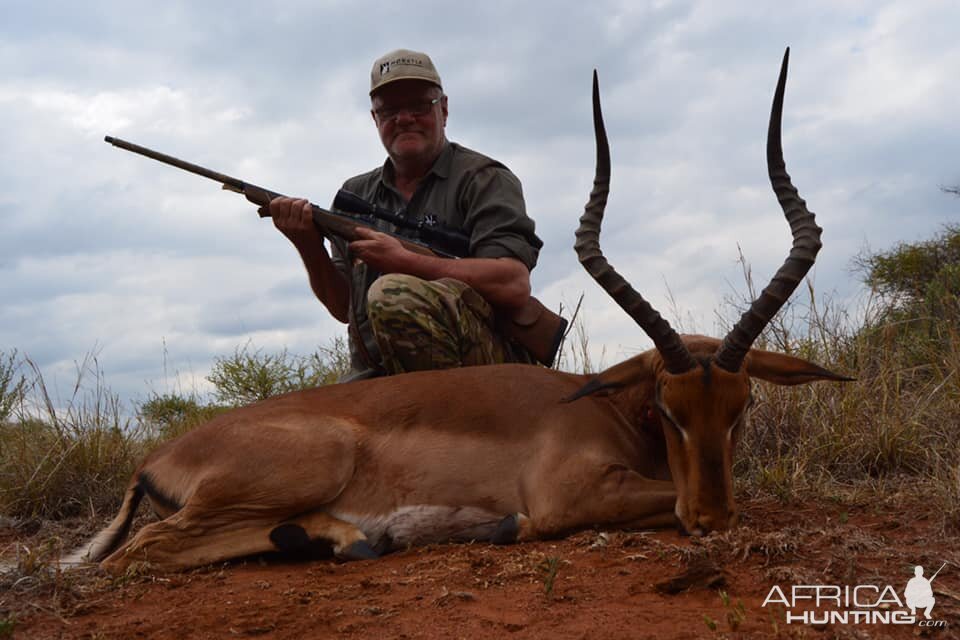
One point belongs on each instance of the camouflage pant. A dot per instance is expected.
(437, 324)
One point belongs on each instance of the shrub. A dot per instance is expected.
(170, 415)
(913, 276)
(250, 375)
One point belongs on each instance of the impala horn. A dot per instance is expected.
(806, 244)
(675, 356)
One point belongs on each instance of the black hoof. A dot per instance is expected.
(290, 537)
(384, 545)
(359, 550)
(507, 531)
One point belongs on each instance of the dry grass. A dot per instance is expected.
(895, 426)
(64, 457)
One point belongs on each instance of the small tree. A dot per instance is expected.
(171, 414)
(918, 279)
(918, 317)
(250, 375)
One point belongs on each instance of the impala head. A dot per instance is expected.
(702, 414)
(700, 387)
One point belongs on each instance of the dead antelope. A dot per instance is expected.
(502, 453)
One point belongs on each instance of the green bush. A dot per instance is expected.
(170, 415)
(250, 375)
(912, 275)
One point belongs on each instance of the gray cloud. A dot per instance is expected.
(103, 250)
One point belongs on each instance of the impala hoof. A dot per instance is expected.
(359, 550)
(507, 531)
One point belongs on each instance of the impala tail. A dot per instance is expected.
(110, 538)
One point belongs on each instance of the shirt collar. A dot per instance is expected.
(441, 166)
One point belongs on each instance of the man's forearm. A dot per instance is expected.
(327, 283)
(503, 282)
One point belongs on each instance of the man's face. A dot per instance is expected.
(410, 123)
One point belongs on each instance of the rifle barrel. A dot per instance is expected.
(234, 183)
(341, 224)
(938, 572)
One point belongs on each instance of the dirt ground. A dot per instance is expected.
(590, 585)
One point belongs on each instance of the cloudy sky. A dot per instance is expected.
(157, 272)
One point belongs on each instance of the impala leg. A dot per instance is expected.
(349, 542)
(178, 542)
(619, 497)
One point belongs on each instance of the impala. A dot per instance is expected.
(502, 453)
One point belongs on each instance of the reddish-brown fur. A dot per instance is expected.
(329, 458)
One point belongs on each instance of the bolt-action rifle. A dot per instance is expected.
(533, 326)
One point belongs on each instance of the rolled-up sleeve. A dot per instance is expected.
(491, 198)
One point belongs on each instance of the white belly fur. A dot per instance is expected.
(424, 524)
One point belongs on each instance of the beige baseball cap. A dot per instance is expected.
(403, 64)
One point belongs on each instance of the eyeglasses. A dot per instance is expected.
(417, 109)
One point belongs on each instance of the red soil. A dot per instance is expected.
(590, 585)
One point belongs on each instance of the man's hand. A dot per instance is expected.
(381, 251)
(294, 218)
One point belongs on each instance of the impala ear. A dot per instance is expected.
(787, 370)
(628, 373)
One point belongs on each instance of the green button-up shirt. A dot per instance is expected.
(464, 190)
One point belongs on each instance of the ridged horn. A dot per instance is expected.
(674, 353)
(806, 244)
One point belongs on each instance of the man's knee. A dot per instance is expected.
(391, 288)
(415, 322)
(398, 296)
(401, 295)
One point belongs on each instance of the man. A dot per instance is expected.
(406, 311)
(919, 593)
